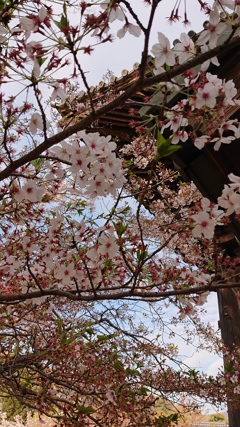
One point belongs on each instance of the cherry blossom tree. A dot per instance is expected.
(83, 292)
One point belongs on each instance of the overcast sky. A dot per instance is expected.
(123, 53)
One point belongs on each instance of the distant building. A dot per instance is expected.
(209, 424)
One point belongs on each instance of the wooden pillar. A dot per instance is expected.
(229, 313)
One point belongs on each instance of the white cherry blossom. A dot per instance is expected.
(214, 79)
(63, 151)
(132, 29)
(115, 13)
(214, 60)
(28, 245)
(228, 125)
(235, 181)
(58, 92)
(36, 123)
(236, 389)
(42, 14)
(184, 50)
(180, 135)
(175, 121)
(215, 28)
(80, 163)
(200, 141)
(92, 253)
(225, 200)
(230, 92)
(95, 142)
(222, 140)
(30, 191)
(163, 52)
(235, 199)
(3, 32)
(230, 4)
(97, 187)
(65, 273)
(108, 245)
(206, 96)
(205, 204)
(29, 24)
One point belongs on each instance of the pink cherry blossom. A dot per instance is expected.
(205, 225)
(64, 273)
(206, 96)
(180, 135)
(30, 191)
(108, 245)
(225, 200)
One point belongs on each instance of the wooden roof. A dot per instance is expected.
(207, 168)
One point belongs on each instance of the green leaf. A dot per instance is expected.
(63, 22)
(144, 391)
(37, 163)
(141, 255)
(132, 372)
(120, 228)
(193, 373)
(86, 409)
(163, 420)
(41, 60)
(63, 339)
(102, 338)
(118, 365)
(165, 147)
(65, 9)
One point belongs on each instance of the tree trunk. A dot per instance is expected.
(229, 313)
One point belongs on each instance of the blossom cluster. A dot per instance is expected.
(210, 215)
(186, 49)
(59, 254)
(94, 164)
(205, 111)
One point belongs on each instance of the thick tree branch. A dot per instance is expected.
(141, 83)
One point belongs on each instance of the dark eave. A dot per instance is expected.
(207, 168)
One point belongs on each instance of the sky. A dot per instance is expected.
(122, 54)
